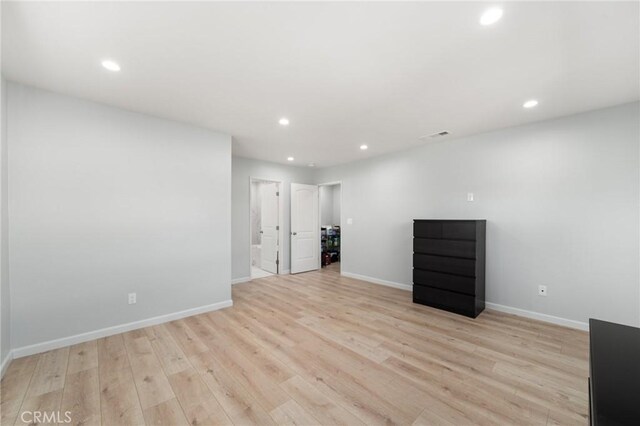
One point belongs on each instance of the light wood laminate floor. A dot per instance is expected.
(314, 348)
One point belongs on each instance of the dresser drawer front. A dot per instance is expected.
(464, 249)
(452, 265)
(459, 230)
(447, 300)
(445, 281)
(427, 229)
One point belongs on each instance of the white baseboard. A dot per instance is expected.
(496, 307)
(285, 272)
(109, 331)
(5, 363)
(538, 316)
(407, 287)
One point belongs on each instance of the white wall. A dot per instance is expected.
(256, 212)
(243, 170)
(5, 306)
(103, 202)
(337, 200)
(329, 205)
(326, 205)
(562, 201)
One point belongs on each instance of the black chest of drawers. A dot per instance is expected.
(449, 264)
(614, 374)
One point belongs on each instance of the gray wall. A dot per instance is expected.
(326, 205)
(243, 169)
(5, 306)
(329, 205)
(337, 201)
(256, 212)
(561, 199)
(103, 202)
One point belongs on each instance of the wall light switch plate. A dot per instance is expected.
(469, 196)
(350, 221)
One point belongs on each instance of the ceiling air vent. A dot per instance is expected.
(435, 135)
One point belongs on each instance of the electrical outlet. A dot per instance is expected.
(132, 298)
(542, 290)
(469, 196)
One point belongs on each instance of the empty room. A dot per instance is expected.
(320, 213)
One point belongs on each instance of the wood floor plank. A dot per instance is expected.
(43, 408)
(252, 348)
(429, 418)
(292, 414)
(317, 404)
(151, 382)
(245, 370)
(188, 340)
(119, 402)
(237, 401)
(197, 400)
(50, 372)
(83, 356)
(14, 387)
(493, 409)
(167, 350)
(81, 397)
(112, 354)
(167, 413)
(369, 407)
(22, 366)
(348, 338)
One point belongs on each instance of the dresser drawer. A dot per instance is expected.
(447, 300)
(459, 230)
(427, 229)
(445, 281)
(465, 249)
(452, 265)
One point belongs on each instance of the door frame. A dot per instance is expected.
(337, 182)
(280, 183)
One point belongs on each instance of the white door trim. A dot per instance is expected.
(280, 183)
(337, 182)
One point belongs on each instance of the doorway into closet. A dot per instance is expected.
(265, 229)
(330, 225)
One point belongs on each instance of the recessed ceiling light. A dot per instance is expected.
(111, 65)
(290, 158)
(530, 104)
(364, 147)
(312, 164)
(491, 16)
(284, 121)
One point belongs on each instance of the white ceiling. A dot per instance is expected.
(345, 74)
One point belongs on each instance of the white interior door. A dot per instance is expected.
(304, 228)
(269, 227)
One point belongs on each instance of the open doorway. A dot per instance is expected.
(265, 230)
(330, 226)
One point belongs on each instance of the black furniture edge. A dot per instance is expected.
(614, 374)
